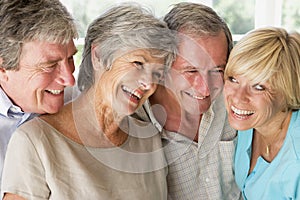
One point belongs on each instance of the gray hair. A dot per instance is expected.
(198, 20)
(29, 20)
(123, 28)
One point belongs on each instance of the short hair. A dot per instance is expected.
(269, 55)
(197, 20)
(125, 27)
(23, 21)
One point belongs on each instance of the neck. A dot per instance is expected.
(272, 129)
(98, 120)
(271, 140)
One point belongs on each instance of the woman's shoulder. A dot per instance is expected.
(35, 130)
(34, 125)
(295, 119)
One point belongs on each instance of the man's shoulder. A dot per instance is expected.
(142, 113)
(219, 120)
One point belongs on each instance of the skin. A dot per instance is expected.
(132, 79)
(45, 69)
(252, 105)
(138, 72)
(256, 105)
(195, 80)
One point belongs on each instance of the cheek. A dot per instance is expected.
(38, 83)
(274, 108)
(265, 108)
(152, 90)
(273, 103)
(181, 82)
(216, 81)
(104, 90)
(226, 90)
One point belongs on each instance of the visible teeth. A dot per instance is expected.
(241, 112)
(55, 91)
(196, 97)
(135, 93)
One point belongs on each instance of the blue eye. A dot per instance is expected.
(217, 70)
(232, 79)
(259, 87)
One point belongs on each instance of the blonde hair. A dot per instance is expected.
(269, 55)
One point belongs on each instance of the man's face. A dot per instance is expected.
(196, 76)
(45, 69)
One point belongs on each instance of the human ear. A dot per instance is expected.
(3, 75)
(95, 58)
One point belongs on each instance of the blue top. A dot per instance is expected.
(11, 117)
(279, 179)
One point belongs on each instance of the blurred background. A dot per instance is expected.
(240, 15)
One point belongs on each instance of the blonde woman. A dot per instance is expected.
(262, 95)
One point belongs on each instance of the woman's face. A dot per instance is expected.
(251, 105)
(132, 78)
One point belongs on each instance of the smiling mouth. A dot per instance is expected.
(132, 93)
(55, 92)
(242, 112)
(196, 96)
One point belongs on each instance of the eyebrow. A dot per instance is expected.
(50, 62)
(220, 66)
(195, 67)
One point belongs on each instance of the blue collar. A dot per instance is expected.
(9, 110)
(7, 106)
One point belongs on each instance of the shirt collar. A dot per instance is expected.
(5, 103)
(8, 109)
(147, 107)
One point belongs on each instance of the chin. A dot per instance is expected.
(53, 111)
(238, 126)
(125, 112)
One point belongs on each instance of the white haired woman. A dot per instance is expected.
(93, 148)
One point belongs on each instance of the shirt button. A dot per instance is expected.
(13, 109)
(207, 180)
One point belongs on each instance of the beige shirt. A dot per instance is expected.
(202, 170)
(42, 163)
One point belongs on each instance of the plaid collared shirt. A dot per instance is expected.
(202, 170)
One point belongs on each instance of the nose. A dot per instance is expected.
(145, 81)
(145, 85)
(65, 75)
(200, 84)
(241, 95)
